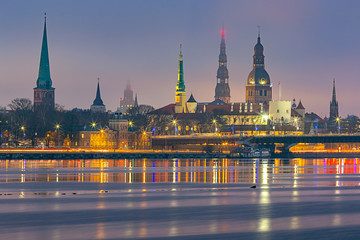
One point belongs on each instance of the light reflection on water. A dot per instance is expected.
(187, 198)
(263, 172)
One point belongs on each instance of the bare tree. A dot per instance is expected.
(141, 110)
(22, 104)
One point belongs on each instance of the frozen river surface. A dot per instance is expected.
(180, 199)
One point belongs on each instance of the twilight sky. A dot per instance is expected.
(307, 44)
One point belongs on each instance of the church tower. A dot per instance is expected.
(258, 87)
(222, 90)
(334, 109)
(44, 93)
(98, 105)
(180, 94)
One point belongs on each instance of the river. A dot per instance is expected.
(180, 199)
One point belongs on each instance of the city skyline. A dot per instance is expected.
(143, 51)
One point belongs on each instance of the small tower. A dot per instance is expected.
(44, 93)
(191, 104)
(98, 105)
(222, 90)
(300, 109)
(136, 101)
(258, 87)
(293, 105)
(180, 94)
(334, 109)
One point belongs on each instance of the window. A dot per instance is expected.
(260, 92)
(265, 92)
(277, 111)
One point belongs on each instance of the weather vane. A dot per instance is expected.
(258, 26)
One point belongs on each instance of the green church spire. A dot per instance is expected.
(180, 83)
(44, 80)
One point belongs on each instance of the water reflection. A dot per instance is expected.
(264, 172)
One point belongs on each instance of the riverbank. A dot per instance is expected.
(46, 154)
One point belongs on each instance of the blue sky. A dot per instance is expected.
(307, 44)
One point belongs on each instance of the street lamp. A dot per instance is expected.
(23, 130)
(338, 123)
(93, 124)
(57, 126)
(214, 121)
(174, 122)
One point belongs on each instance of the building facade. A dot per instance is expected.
(222, 90)
(44, 93)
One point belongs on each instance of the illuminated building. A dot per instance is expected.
(180, 94)
(280, 111)
(113, 137)
(258, 87)
(121, 128)
(222, 90)
(44, 93)
(96, 137)
(128, 101)
(98, 105)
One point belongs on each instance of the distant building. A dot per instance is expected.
(222, 90)
(350, 124)
(121, 127)
(334, 119)
(258, 87)
(98, 105)
(44, 93)
(314, 124)
(113, 137)
(128, 101)
(96, 137)
(280, 111)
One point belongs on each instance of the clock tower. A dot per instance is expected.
(180, 94)
(258, 86)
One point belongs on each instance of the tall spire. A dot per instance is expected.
(222, 73)
(98, 101)
(334, 108)
(44, 80)
(334, 93)
(180, 82)
(222, 90)
(136, 101)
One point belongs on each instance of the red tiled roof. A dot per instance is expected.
(300, 106)
(225, 109)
